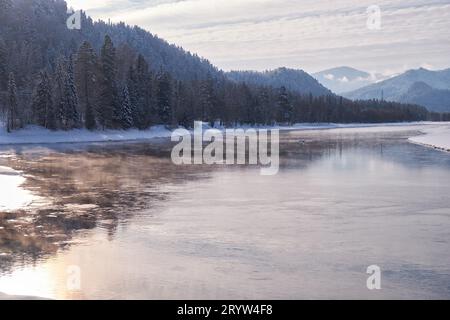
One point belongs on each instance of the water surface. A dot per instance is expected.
(139, 227)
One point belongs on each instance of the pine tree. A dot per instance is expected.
(133, 94)
(109, 103)
(263, 109)
(207, 99)
(59, 92)
(12, 119)
(284, 106)
(3, 66)
(163, 96)
(89, 117)
(86, 83)
(126, 116)
(42, 106)
(144, 79)
(71, 114)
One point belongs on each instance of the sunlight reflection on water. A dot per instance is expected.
(338, 205)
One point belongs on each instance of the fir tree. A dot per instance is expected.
(207, 99)
(284, 106)
(163, 96)
(126, 116)
(71, 115)
(3, 66)
(109, 104)
(42, 106)
(89, 117)
(263, 110)
(12, 119)
(132, 85)
(144, 90)
(86, 83)
(59, 92)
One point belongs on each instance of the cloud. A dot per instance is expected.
(309, 34)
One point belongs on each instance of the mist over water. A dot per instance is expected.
(140, 227)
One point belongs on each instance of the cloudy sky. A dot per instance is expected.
(309, 34)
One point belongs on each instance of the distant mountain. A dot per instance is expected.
(422, 86)
(345, 79)
(294, 80)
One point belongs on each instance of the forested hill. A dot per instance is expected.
(36, 33)
(293, 80)
(116, 76)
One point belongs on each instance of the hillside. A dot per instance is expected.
(422, 94)
(294, 80)
(36, 34)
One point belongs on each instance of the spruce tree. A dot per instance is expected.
(59, 104)
(126, 117)
(89, 117)
(86, 83)
(163, 96)
(3, 66)
(71, 116)
(42, 106)
(12, 119)
(207, 99)
(109, 103)
(284, 106)
(132, 85)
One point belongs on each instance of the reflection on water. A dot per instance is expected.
(140, 227)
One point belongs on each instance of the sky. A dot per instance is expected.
(312, 35)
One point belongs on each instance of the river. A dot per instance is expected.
(127, 223)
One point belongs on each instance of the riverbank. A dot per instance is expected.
(38, 135)
(10, 297)
(435, 137)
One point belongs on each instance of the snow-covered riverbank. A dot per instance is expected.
(38, 135)
(437, 137)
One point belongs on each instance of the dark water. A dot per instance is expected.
(138, 226)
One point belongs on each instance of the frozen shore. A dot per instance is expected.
(38, 135)
(437, 137)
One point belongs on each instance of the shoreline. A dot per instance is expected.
(33, 135)
(437, 138)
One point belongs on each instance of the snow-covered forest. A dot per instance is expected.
(114, 76)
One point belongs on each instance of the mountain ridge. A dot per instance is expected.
(400, 88)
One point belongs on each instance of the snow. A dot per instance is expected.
(13, 196)
(38, 135)
(436, 133)
(437, 137)
(329, 126)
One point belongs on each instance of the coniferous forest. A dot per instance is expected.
(114, 76)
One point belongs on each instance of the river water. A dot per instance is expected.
(119, 220)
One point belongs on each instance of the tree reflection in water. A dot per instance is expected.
(97, 186)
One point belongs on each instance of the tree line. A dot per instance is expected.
(93, 90)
